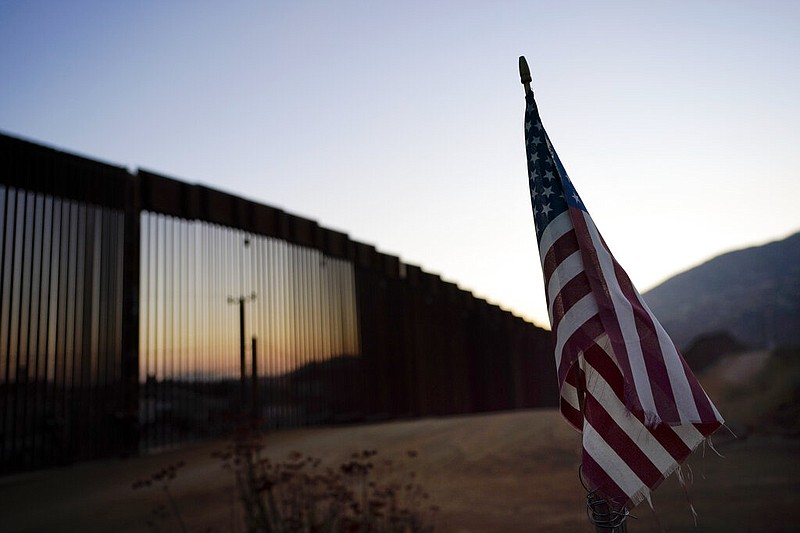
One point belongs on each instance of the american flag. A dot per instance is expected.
(623, 384)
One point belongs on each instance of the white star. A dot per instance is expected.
(527, 126)
(547, 191)
(536, 141)
(538, 126)
(546, 209)
(549, 175)
(576, 197)
(534, 157)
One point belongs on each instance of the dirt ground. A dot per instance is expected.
(502, 472)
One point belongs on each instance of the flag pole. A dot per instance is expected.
(525, 74)
(604, 518)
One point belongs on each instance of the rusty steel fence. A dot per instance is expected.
(140, 312)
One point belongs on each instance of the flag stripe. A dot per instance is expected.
(705, 408)
(563, 274)
(570, 406)
(582, 311)
(577, 343)
(555, 230)
(602, 480)
(564, 246)
(567, 296)
(688, 407)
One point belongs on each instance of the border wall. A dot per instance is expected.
(139, 312)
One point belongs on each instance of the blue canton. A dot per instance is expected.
(551, 189)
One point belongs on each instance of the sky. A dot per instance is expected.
(401, 123)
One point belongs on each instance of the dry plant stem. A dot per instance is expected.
(174, 507)
(296, 496)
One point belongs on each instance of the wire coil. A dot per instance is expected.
(601, 514)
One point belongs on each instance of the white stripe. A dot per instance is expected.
(624, 312)
(564, 272)
(611, 463)
(689, 435)
(681, 390)
(573, 319)
(554, 231)
(570, 395)
(714, 408)
(650, 446)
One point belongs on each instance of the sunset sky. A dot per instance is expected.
(401, 123)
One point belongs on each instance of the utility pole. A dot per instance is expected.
(241, 300)
(254, 379)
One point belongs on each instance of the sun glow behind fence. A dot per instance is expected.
(303, 310)
(299, 306)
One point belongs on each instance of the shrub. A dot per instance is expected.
(301, 495)
(298, 494)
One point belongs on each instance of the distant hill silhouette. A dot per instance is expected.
(753, 294)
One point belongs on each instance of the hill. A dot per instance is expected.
(752, 293)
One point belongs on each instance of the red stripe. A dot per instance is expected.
(569, 295)
(708, 428)
(578, 342)
(572, 415)
(576, 379)
(670, 440)
(605, 366)
(563, 247)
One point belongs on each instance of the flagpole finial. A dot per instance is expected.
(525, 74)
